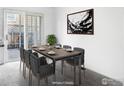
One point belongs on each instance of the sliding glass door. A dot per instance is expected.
(13, 34)
(21, 29)
(33, 30)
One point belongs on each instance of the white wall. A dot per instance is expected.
(104, 51)
(48, 13)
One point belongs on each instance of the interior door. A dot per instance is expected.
(13, 34)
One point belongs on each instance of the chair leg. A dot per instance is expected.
(29, 76)
(20, 64)
(54, 79)
(84, 71)
(23, 70)
(84, 74)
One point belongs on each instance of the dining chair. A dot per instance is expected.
(58, 45)
(27, 57)
(62, 62)
(27, 61)
(40, 68)
(22, 59)
(74, 61)
(67, 47)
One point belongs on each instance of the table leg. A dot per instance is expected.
(54, 64)
(29, 76)
(24, 70)
(74, 73)
(79, 70)
(62, 64)
(62, 70)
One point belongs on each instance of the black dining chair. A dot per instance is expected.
(62, 63)
(40, 68)
(67, 47)
(22, 59)
(58, 45)
(26, 57)
(27, 61)
(74, 61)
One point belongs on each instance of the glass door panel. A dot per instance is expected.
(13, 35)
(21, 29)
(33, 30)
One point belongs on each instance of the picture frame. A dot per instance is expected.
(81, 22)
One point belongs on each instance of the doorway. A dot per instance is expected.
(13, 35)
(21, 29)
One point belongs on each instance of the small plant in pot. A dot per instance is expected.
(51, 39)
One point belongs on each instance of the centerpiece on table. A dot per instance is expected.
(51, 40)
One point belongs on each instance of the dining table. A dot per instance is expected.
(57, 54)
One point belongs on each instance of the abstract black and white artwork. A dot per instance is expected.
(81, 22)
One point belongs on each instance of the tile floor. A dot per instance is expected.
(11, 75)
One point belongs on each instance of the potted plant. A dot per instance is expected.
(51, 39)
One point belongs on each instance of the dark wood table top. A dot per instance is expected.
(59, 53)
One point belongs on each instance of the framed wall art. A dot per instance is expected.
(81, 22)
